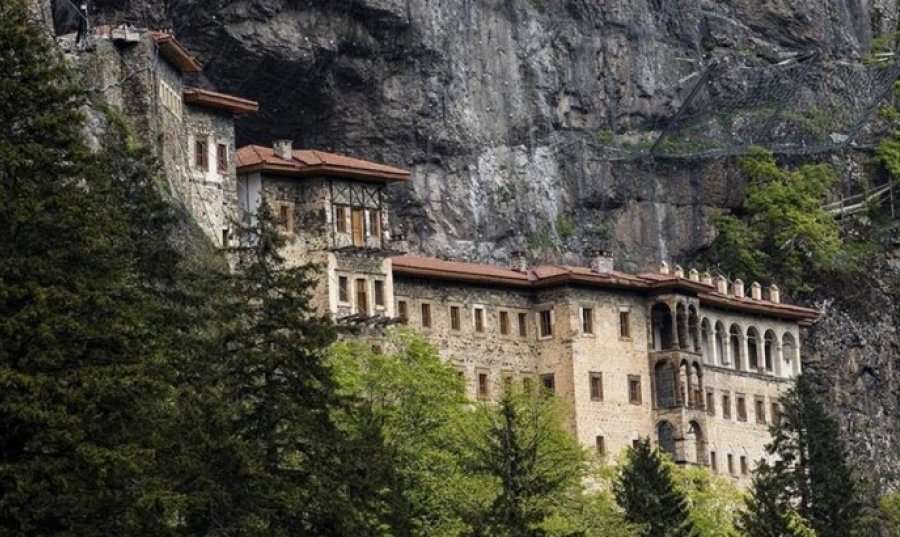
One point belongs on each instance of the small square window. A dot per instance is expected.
(596, 385)
(478, 314)
(379, 293)
(634, 389)
(523, 325)
(726, 407)
(426, 315)
(402, 311)
(483, 385)
(587, 321)
(454, 318)
(600, 443)
(549, 382)
(343, 289)
(546, 323)
(624, 324)
(504, 323)
(741, 408)
(222, 158)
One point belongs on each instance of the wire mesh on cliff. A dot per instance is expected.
(802, 105)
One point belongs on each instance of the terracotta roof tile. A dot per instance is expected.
(315, 162)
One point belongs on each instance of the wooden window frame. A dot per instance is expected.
(373, 222)
(595, 380)
(625, 323)
(479, 321)
(545, 323)
(222, 158)
(455, 318)
(286, 217)
(201, 154)
(639, 398)
(483, 389)
(587, 321)
(740, 403)
(378, 294)
(425, 315)
(343, 289)
(340, 219)
(504, 322)
(522, 324)
(361, 290)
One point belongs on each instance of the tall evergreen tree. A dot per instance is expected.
(83, 361)
(646, 492)
(810, 475)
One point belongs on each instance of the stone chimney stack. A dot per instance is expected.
(774, 294)
(738, 288)
(707, 278)
(602, 263)
(283, 149)
(756, 291)
(663, 268)
(694, 275)
(518, 261)
(721, 284)
(679, 271)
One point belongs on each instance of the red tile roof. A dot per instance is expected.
(222, 101)
(544, 276)
(175, 52)
(307, 162)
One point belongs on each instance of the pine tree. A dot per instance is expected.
(810, 475)
(646, 492)
(83, 361)
(765, 514)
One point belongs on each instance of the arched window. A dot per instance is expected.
(694, 328)
(666, 434)
(661, 325)
(753, 349)
(664, 377)
(706, 346)
(735, 346)
(681, 319)
(696, 386)
(697, 442)
(769, 353)
(722, 344)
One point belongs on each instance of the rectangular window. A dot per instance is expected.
(596, 380)
(454, 318)
(362, 297)
(741, 408)
(726, 407)
(402, 312)
(634, 389)
(713, 464)
(357, 226)
(426, 315)
(731, 464)
(624, 324)
(340, 219)
(343, 289)
(374, 222)
(483, 388)
(587, 321)
(201, 155)
(478, 313)
(710, 403)
(523, 324)
(549, 382)
(776, 414)
(222, 158)
(546, 323)
(504, 323)
(600, 442)
(760, 409)
(635, 443)
(379, 293)
(286, 217)
(744, 469)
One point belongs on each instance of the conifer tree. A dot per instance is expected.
(83, 362)
(810, 475)
(646, 492)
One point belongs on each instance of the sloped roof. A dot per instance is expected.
(544, 276)
(221, 101)
(305, 162)
(172, 50)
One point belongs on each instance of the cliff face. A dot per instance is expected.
(504, 109)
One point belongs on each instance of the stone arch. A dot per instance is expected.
(722, 344)
(681, 321)
(694, 329)
(706, 342)
(735, 346)
(753, 343)
(665, 433)
(664, 378)
(662, 327)
(695, 443)
(770, 364)
(790, 355)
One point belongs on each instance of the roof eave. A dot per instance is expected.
(220, 101)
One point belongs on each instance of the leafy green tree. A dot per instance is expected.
(84, 364)
(713, 500)
(890, 512)
(536, 465)
(810, 475)
(647, 493)
(781, 229)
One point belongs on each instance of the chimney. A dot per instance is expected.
(518, 261)
(721, 284)
(283, 149)
(707, 278)
(664, 268)
(756, 291)
(738, 288)
(679, 271)
(694, 275)
(774, 294)
(602, 263)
